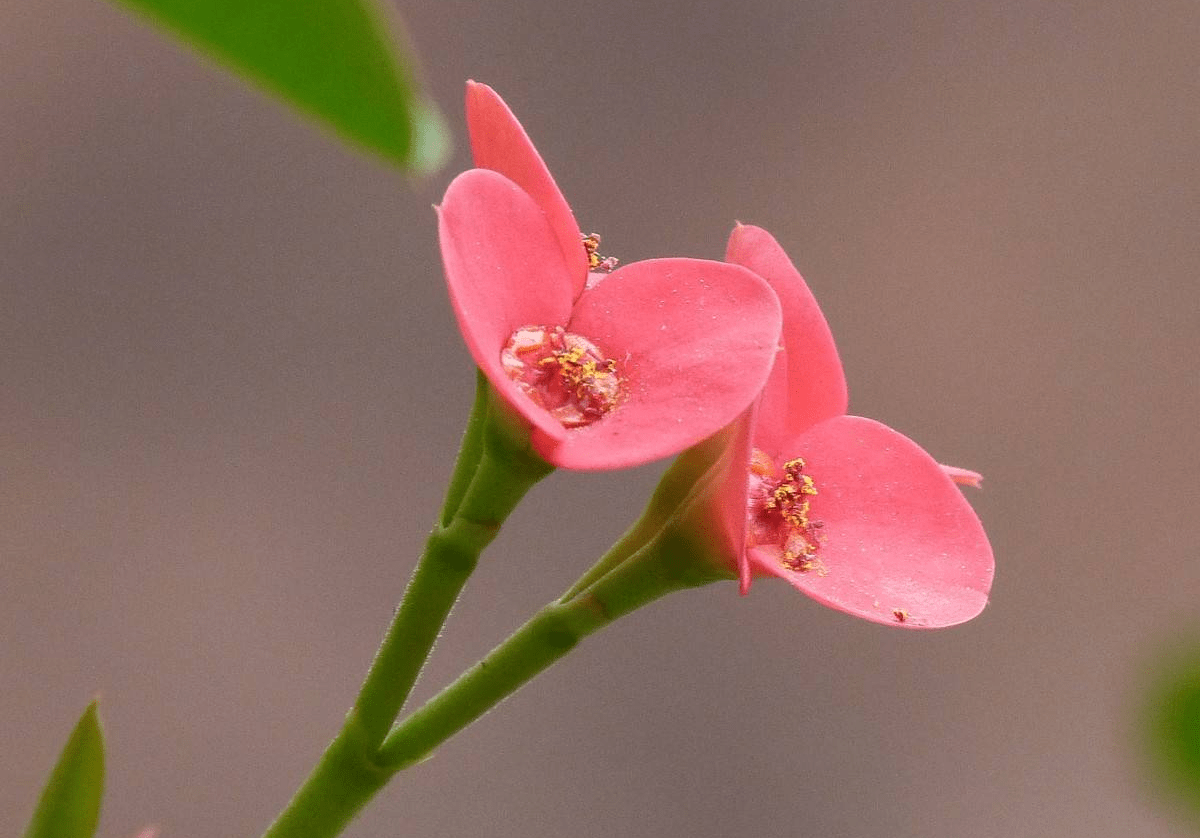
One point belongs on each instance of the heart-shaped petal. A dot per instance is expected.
(504, 270)
(807, 385)
(899, 543)
(498, 142)
(693, 341)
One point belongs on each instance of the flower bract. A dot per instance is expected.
(845, 509)
(605, 374)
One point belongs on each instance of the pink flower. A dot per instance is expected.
(845, 509)
(605, 374)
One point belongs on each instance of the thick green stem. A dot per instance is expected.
(494, 470)
(344, 780)
(353, 770)
(469, 451)
(664, 565)
(504, 474)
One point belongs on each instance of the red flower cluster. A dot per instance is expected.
(661, 355)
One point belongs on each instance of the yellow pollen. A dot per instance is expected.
(782, 512)
(596, 262)
(562, 372)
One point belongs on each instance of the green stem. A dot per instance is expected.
(354, 769)
(484, 489)
(664, 565)
(679, 480)
(344, 780)
(469, 451)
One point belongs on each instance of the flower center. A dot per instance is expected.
(780, 515)
(562, 372)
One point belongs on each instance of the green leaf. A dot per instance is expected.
(338, 60)
(1171, 727)
(70, 804)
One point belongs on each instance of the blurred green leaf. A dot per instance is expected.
(338, 60)
(70, 804)
(1170, 727)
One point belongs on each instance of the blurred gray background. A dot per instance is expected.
(232, 387)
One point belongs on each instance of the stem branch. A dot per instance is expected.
(494, 470)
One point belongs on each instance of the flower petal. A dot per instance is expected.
(964, 477)
(727, 508)
(694, 495)
(808, 385)
(504, 270)
(498, 142)
(901, 546)
(694, 341)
